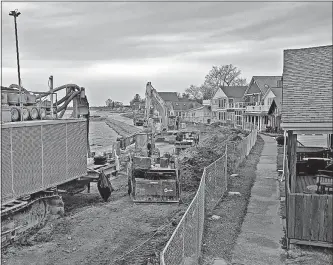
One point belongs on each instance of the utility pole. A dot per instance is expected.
(15, 14)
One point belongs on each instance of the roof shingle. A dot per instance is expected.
(265, 82)
(236, 92)
(307, 85)
(168, 96)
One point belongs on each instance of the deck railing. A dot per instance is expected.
(309, 216)
(184, 246)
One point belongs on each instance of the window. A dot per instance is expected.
(231, 102)
(269, 101)
(279, 83)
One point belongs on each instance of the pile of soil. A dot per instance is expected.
(211, 147)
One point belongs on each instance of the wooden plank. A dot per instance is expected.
(321, 217)
(314, 217)
(293, 160)
(299, 215)
(329, 219)
(321, 212)
(291, 215)
(311, 243)
(307, 204)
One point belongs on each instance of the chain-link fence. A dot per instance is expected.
(184, 246)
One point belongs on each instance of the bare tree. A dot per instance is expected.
(224, 75)
(194, 91)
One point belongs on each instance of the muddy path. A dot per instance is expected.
(94, 232)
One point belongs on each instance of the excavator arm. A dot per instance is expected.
(153, 98)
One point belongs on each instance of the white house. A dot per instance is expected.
(258, 98)
(227, 105)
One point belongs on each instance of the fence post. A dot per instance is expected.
(226, 168)
(198, 228)
(183, 252)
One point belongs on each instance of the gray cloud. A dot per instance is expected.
(117, 47)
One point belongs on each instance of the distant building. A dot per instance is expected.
(178, 106)
(200, 114)
(258, 98)
(227, 105)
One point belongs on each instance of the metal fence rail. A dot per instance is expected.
(37, 155)
(184, 246)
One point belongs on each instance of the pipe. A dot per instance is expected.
(64, 98)
(73, 86)
(51, 94)
(64, 106)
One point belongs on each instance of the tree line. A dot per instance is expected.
(218, 77)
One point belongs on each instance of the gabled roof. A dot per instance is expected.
(234, 91)
(199, 108)
(230, 92)
(169, 96)
(263, 83)
(278, 96)
(307, 86)
(181, 106)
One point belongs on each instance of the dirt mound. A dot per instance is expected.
(211, 147)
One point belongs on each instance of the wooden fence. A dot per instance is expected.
(309, 217)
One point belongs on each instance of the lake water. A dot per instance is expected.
(101, 136)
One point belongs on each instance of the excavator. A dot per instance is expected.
(31, 189)
(152, 178)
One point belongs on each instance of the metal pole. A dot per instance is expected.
(15, 14)
(51, 94)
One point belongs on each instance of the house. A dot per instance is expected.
(307, 100)
(258, 98)
(227, 105)
(275, 109)
(181, 107)
(169, 98)
(200, 114)
(178, 106)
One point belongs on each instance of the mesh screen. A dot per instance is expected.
(41, 156)
(6, 172)
(185, 245)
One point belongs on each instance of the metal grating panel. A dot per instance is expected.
(6, 174)
(54, 153)
(77, 149)
(38, 154)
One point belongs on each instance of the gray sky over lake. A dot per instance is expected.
(114, 49)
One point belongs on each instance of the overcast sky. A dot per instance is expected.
(114, 49)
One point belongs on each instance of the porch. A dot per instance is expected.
(309, 209)
(261, 121)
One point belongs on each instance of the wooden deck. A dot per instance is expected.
(303, 181)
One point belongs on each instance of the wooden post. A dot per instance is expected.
(292, 156)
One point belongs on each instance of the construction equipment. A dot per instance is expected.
(186, 139)
(154, 101)
(138, 119)
(152, 178)
(43, 155)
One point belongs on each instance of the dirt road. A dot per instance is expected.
(94, 232)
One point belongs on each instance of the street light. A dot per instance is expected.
(15, 14)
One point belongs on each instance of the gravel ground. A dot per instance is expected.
(232, 210)
(93, 232)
